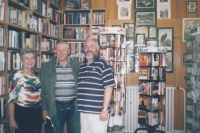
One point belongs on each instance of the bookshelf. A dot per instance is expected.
(31, 23)
(152, 82)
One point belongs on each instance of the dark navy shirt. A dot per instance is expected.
(92, 81)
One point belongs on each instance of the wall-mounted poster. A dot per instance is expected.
(124, 11)
(141, 4)
(166, 37)
(145, 18)
(164, 12)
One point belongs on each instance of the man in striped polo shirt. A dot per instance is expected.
(95, 85)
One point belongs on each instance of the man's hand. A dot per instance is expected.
(103, 115)
(44, 114)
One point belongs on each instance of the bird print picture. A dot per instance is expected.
(165, 36)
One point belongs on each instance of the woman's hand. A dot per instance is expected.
(13, 124)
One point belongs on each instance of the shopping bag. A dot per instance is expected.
(47, 126)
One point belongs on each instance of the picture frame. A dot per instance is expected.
(152, 31)
(169, 62)
(124, 2)
(184, 58)
(145, 18)
(119, 26)
(141, 5)
(142, 30)
(124, 11)
(163, 2)
(192, 6)
(166, 37)
(189, 26)
(140, 39)
(152, 43)
(163, 12)
(130, 30)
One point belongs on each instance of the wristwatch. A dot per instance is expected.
(104, 108)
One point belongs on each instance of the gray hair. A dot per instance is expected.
(27, 50)
(63, 42)
(92, 39)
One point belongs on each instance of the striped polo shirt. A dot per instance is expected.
(92, 81)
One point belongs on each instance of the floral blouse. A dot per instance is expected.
(25, 89)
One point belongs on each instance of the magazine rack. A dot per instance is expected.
(152, 88)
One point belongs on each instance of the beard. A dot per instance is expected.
(90, 55)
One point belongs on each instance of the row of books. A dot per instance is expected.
(2, 85)
(55, 15)
(120, 80)
(152, 59)
(118, 108)
(48, 45)
(112, 40)
(152, 73)
(76, 33)
(2, 60)
(76, 48)
(76, 18)
(95, 31)
(152, 103)
(151, 118)
(23, 2)
(98, 18)
(46, 57)
(152, 88)
(118, 95)
(113, 54)
(27, 20)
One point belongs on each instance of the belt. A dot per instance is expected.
(65, 102)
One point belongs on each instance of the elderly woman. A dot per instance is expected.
(24, 103)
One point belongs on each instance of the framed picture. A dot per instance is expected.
(184, 58)
(142, 30)
(163, 12)
(116, 26)
(192, 6)
(152, 32)
(151, 43)
(130, 30)
(163, 2)
(145, 18)
(141, 4)
(124, 2)
(166, 37)
(169, 62)
(140, 38)
(189, 26)
(124, 11)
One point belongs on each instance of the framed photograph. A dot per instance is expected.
(163, 2)
(142, 30)
(152, 32)
(145, 18)
(124, 2)
(166, 37)
(140, 39)
(163, 12)
(169, 62)
(130, 30)
(151, 43)
(119, 26)
(85, 4)
(184, 58)
(192, 6)
(124, 11)
(141, 4)
(189, 26)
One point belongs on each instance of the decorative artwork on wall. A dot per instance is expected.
(145, 18)
(119, 2)
(130, 30)
(189, 26)
(192, 6)
(169, 61)
(164, 12)
(140, 39)
(152, 32)
(165, 37)
(151, 43)
(124, 11)
(141, 4)
(163, 2)
(142, 30)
